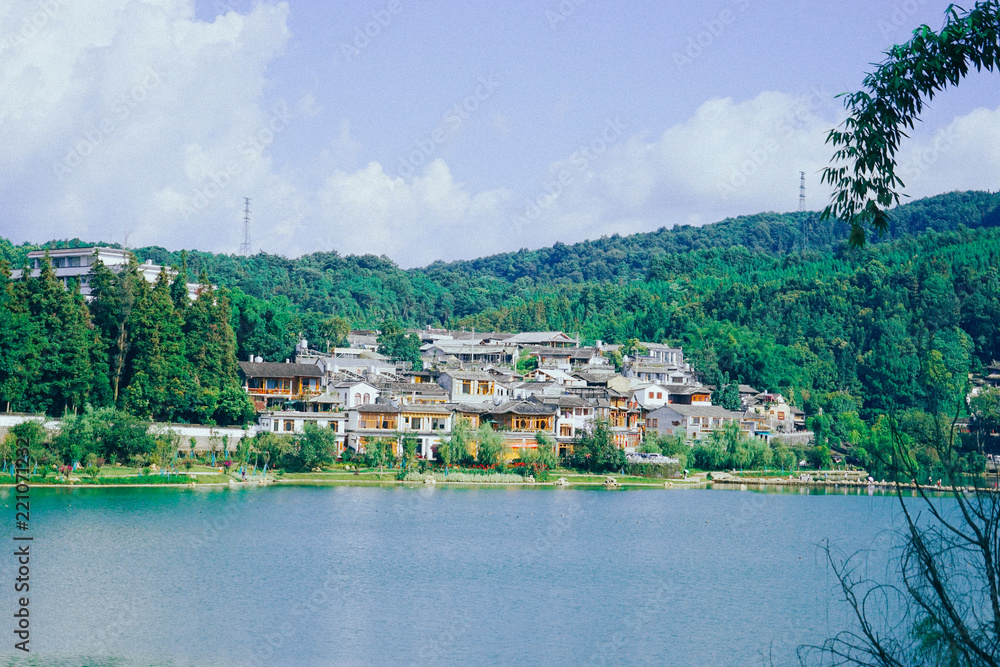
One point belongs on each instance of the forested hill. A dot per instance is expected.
(774, 301)
(628, 257)
(366, 289)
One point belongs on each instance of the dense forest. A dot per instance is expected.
(146, 349)
(778, 301)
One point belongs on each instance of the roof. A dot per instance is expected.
(687, 391)
(353, 383)
(470, 408)
(469, 375)
(274, 369)
(523, 408)
(596, 376)
(565, 401)
(747, 389)
(326, 398)
(378, 407)
(414, 387)
(700, 411)
(539, 337)
(424, 408)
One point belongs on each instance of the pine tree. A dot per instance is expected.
(160, 387)
(211, 348)
(65, 376)
(114, 297)
(19, 354)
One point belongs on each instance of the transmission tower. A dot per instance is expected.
(802, 190)
(245, 245)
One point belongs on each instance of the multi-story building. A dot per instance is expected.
(71, 264)
(270, 385)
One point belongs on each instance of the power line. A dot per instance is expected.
(245, 246)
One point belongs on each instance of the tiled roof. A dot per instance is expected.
(523, 408)
(271, 369)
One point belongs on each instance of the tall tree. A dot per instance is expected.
(113, 300)
(65, 376)
(864, 172)
(161, 384)
(20, 342)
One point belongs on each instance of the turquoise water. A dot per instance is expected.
(400, 575)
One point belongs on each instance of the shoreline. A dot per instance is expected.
(698, 481)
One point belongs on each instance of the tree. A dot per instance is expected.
(335, 330)
(395, 343)
(114, 297)
(596, 449)
(727, 393)
(161, 385)
(316, 446)
(456, 447)
(864, 172)
(63, 381)
(491, 447)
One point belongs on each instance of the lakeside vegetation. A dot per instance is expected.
(872, 341)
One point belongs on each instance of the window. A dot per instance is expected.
(651, 395)
(438, 423)
(466, 386)
(781, 415)
(653, 422)
(73, 261)
(275, 425)
(659, 394)
(565, 430)
(357, 399)
(368, 398)
(289, 425)
(484, 388)
(334, 427)
(58, 262)
(416, 423)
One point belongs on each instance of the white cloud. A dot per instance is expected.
(729, 158)
(414, 221)
(119, 113)
(963, 155)
(135, 118)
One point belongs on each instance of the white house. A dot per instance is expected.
(691, 422)
(353, 394)
(651, 396)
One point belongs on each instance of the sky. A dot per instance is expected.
(427, 131)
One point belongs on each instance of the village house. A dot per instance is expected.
(519, 422)
(542, 338)
(271, 384)
(691, 422)
(472, 387)
(354, 393)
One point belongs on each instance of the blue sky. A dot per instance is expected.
(429, 130)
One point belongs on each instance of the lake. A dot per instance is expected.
(413, 575)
